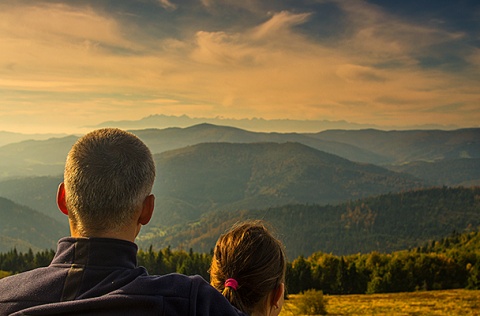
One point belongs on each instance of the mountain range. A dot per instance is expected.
(208, 169)
(384, 148)
(400, 147)
(255, 124)
(10, 137)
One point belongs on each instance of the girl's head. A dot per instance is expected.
(255, 260)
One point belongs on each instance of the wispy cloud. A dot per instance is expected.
(167, 4)
(279, 23)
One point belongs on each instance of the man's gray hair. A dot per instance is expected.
(108, 174)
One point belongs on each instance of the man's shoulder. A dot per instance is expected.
(173, 285)
(20, 278)
(197, 291)
(23, 289)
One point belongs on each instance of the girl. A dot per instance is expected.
(248, 267)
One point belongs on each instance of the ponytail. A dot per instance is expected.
(233, 297)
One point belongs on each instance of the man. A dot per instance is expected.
(106, 194)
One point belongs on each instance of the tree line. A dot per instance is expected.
(13, 261)
(452, 262)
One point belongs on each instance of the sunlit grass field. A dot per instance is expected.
(451, 302)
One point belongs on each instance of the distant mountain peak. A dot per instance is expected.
(254, 124)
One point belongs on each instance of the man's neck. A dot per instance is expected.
(123, 233)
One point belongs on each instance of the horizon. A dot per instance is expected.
(69, 65)
(255, 124)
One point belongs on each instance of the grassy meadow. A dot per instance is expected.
(449, 302)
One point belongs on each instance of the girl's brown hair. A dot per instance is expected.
(251, 255)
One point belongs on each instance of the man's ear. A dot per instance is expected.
(61, 203)
(147, 210)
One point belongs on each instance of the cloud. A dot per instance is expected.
(52, 45)
(474, 58)
(376, 34)
(247, 73)
(218, 48)
(253, 6)
(60, 24)
(279, 23)
(355, 73)
(166, 4)
(114, 65)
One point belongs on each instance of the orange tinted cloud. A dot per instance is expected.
(81, 65)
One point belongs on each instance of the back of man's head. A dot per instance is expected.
(108, 174)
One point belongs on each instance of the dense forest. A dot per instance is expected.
(383, 223)
(452, 262)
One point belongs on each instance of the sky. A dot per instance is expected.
(65, 65)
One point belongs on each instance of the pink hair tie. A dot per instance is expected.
(231, 283)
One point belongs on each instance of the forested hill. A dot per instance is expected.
(226, 176)
(413, 145)
(452, 172)
(24, 228)
(383, 223)
(467, 242)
